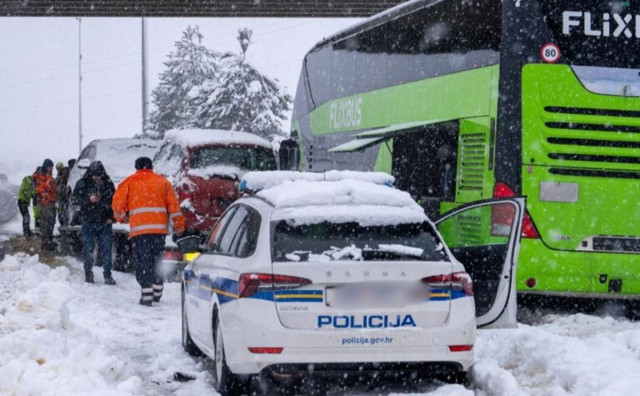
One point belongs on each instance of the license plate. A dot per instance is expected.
(376, 295)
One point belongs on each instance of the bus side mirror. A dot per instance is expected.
(289, 155)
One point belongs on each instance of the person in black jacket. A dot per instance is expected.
(94, 192)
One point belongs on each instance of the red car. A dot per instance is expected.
(204, 167)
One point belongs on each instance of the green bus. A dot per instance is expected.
(465, 100)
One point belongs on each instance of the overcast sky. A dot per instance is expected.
(39, 74)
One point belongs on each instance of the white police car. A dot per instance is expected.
(338, 272)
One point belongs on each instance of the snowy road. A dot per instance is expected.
(61, 336)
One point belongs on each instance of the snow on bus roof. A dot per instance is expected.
(255, 181)
(198, 137)
(348, 200)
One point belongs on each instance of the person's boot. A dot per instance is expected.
(146, 297)
(88, 277)
(144, 302)
(108, 280)
(157, 292)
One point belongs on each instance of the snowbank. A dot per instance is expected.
(567, 355)
(44, 351)
(61, 336)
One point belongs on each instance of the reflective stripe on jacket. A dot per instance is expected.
(148, 201)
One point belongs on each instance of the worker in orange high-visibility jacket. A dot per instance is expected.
(147, 201)
(47, 196)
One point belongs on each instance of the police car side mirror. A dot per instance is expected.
(189, 244)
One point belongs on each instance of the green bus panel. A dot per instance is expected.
(579, 274)
(475, 160)
(450, 97)
(581, 176)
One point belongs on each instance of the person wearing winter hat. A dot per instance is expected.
(94, 192)
(25, 196)
(147, 201)
(47, 195)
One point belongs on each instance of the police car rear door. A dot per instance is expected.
(485, 237)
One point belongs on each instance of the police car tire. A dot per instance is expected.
(227, 383)
(187, 343)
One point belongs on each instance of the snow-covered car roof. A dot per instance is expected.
(118, 155)
(255, 181)
(200, 137)
(366, 198)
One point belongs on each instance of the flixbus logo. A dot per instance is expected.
(365, 321)
(345, 113)
(605, 25)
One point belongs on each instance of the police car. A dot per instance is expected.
(339, 273)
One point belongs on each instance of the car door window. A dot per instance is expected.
(248, 239)
(225, 240)
(176, 153)
(89, 152)
(240, 235)
(217, 229)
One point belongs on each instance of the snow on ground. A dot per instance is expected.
(61, 336)
(566, 355)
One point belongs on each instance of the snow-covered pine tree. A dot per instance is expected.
(189, 65)
(239, 97)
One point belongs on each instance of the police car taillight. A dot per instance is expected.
(268, 350)
(460, 348)
(173, 255)
(249, 284)
(453, 281)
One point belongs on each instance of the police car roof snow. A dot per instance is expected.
(255, 181)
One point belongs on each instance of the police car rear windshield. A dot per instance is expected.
(327, 242)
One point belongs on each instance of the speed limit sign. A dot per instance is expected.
(550, 53)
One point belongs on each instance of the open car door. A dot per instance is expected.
(485, 237)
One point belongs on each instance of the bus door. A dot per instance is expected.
(485, 237)
(424, 164)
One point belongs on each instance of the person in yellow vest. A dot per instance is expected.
(147, 202)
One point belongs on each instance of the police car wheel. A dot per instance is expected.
(187, 343)
(227, 383)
